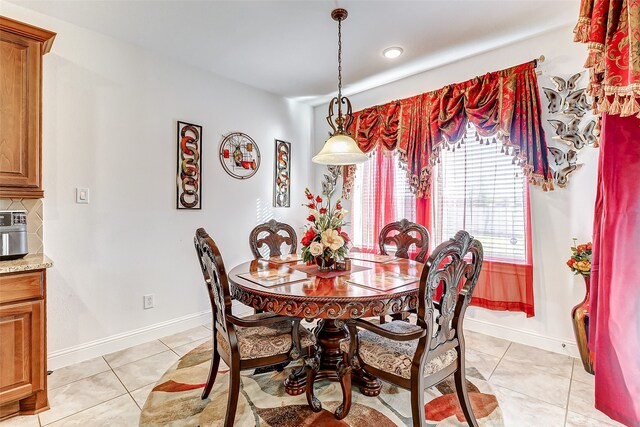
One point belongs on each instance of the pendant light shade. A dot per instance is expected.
(340, 149)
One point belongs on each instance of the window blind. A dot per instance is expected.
(478, 189)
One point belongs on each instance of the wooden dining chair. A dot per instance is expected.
(403, 240)
(277, 234)
(259, 340)
(420, 356)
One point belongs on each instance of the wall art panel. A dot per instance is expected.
(189, 174)
(282, 175)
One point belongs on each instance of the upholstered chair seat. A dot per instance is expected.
(396, 356)
(265, 341)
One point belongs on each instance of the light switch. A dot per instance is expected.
(82, 195)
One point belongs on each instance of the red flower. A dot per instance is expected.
(571, 262)
(311, 205)
(323, 211)
(345, 236)
(338, 206)
(311, 218)
(309, 196)
(339, 229)
(319, 199)
(308, 238)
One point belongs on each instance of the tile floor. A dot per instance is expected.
(534, 387)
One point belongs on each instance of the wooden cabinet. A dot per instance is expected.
(21, 50)
(23, 355)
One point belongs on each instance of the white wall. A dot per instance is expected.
(557, 216)
(109, 123)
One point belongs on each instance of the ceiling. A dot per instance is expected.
(289, 47)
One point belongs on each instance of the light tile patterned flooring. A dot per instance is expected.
(534, 387)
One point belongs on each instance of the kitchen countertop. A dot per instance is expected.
(30, 262)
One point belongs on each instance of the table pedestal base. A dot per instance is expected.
(329, 338)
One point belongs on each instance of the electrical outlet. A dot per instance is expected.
(148, 301)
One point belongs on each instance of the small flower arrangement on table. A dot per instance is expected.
(580, 261)
(324, 242)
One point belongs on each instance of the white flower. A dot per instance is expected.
(332, 239)
(314, 213)
(316, 249)
(341, 213)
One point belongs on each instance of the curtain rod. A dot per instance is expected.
(538, 60)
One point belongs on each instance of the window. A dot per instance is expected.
(480, 190)
(380, 195)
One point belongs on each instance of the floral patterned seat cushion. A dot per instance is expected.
(395, 356)
(265, 341)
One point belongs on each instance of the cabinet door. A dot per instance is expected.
(22, 350)
(20, 154)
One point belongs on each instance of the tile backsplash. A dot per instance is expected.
(34, 220)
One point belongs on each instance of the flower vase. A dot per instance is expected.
(580, 317)
(325, 264)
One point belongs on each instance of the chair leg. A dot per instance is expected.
(213, 372)
(383, 319)
(417, 404)
(344, 375)
(234, 391)
(463, 394)
(311, 365)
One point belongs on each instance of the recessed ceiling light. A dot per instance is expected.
(392, 52)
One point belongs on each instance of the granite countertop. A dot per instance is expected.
(30, 262)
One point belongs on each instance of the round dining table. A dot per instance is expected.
(373, 286)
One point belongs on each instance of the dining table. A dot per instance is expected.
(371, 286)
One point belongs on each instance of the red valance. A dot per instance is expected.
(503, 105)
(612, 30)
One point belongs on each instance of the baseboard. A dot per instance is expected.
(100, 347)
(556, 345)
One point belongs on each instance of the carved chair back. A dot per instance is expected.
(403, 239)
(449, 276)
(215, 278)
(277, 234)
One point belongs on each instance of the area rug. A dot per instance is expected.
(175, 401)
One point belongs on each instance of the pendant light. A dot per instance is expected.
(340, 148)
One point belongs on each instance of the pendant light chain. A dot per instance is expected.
(340, 59)
(340, 71)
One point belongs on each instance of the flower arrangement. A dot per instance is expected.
(324, 241)
(580, 261)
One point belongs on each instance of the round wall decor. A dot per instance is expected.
(239, 155)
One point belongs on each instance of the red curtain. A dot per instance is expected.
(508, 286)
(612, 30)
(503, 104)
(614, 331)
(423, 213)
(379, 197)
